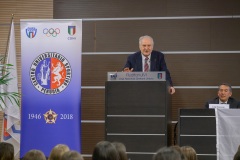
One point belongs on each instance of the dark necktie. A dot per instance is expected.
(146, 66)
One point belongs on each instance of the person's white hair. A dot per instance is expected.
(146, 36)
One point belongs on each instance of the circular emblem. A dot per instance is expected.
(50, 73)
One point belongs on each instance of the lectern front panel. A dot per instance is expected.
(202, 144)
(201, 125)
(140, 143)
(140, 125)
(197, 128)
(137, 114)
(136, 98)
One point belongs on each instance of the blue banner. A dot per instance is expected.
(51, 84)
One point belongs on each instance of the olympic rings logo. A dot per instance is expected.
(51, 32)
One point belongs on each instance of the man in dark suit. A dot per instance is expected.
(224, 97)
(148, 60)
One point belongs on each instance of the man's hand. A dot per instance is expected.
(127, 70)
(171, 90)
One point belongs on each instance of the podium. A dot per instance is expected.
(138, 112)
(197, 128)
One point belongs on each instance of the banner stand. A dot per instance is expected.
(51, 84)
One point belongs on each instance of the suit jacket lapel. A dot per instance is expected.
(217, 101)
(139, 62)
(153, 62)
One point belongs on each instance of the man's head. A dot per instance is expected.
(146, 45)
(167, 153)
(224, 91)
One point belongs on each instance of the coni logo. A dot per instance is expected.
(71, 30)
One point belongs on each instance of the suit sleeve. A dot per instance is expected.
(238, 105)
(128, 63)
(163, 67)
(207, 105)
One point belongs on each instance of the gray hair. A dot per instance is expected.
(226, 84)
(146, 36)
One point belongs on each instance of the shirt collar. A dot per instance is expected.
(220, 102)
(143, 57)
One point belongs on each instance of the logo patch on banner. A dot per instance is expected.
(50, 117)
(71, 30)
(159, 75)
(113, 76)
(31, 32)
(51, 32)
(6, 135)
(50, 73)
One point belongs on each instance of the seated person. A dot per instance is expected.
(121, 148)
(71, 155)
(237, 154)
(189, 152)
(6, 151)
(224, 97)
(58, 151)
(178, 148)
(34, 155)
(167, 153)
(105, 150)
